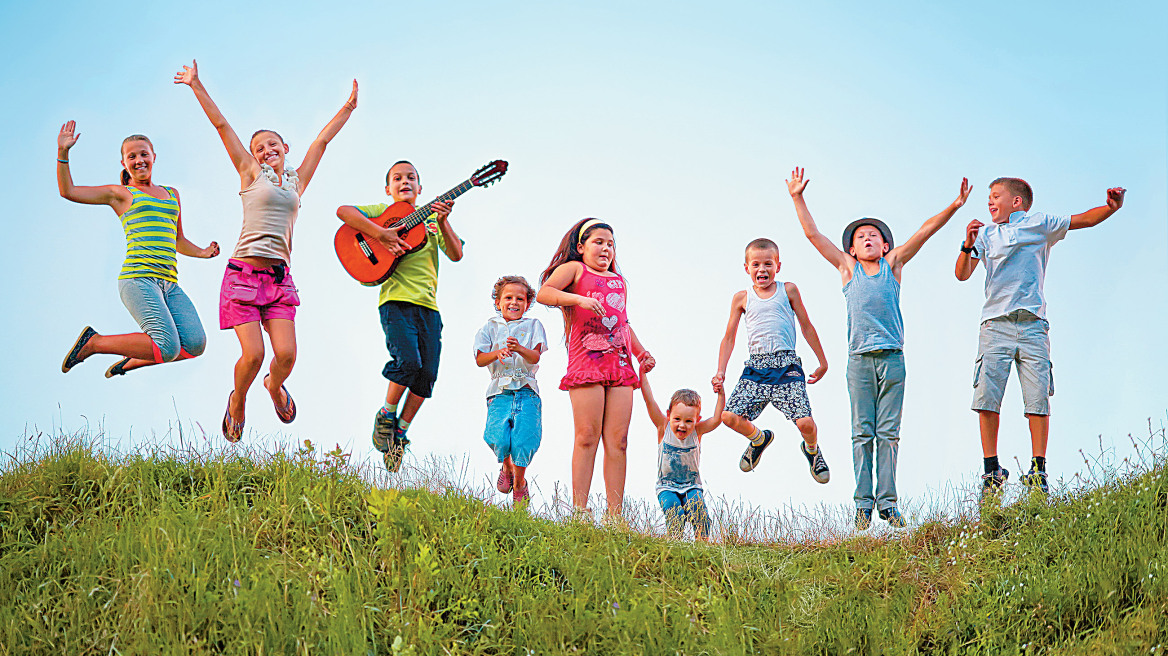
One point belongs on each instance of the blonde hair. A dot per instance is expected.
(684, 397)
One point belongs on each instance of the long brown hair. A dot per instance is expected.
(566, 252)
(133, 137)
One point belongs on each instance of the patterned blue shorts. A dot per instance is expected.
(774, 378)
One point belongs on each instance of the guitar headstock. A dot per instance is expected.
(489, 173)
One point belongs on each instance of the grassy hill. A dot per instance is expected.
(210, 553)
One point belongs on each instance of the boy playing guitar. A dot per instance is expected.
(409, 307)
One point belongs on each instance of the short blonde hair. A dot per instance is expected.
(684, 397)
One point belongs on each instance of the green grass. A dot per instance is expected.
(229, 552)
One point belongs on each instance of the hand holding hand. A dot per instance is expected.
(797, 183)
(718, 387)
(67, 137)
(718, 379)
(817, 375)
(390, 239)
(210, 251)
(1114, 196)
(963, 195)
(971, 232)
(647, 362)
(189, 75)
(442, 209)
(351, 103)
(590, 304)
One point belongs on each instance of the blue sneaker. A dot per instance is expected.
(384, 427)
(893, 517)
(751, 456)
(1036, 479)
(863, 518)
(396, 450)
(992, 483)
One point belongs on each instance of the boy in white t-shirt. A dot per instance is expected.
(509, 345)
(1015, 248)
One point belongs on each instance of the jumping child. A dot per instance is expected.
(870, 269)
(773, 372)
(257, 284)
(679, 452)
(583, 280)
(1016, 247)
(509, 345)
(408, 305)
(148, 283)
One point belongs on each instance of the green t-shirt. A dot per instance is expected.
(415, 280)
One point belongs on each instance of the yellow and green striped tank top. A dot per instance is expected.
(151, 227)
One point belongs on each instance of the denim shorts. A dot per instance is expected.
(514, 425)
(680, 507)
(1020, 338)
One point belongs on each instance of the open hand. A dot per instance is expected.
(442, 209)
(797, 183)
(971, 232)
(1114, 196)
(211, 250)
(502, 354)
(189, 75)
(351, 103)
(67, 138)
(963, 195)
(817, 375)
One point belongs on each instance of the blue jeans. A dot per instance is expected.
(514, 425)
(166, 315)
(876, 390)
(678, 507)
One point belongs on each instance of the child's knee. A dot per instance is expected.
(166, 349)
(805, 425)
(731, 419)
(252, 359)
(587, 439)
(284, 358)
(194, 347)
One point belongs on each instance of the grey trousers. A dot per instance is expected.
(876, 389)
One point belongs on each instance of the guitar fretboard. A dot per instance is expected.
(417, 216)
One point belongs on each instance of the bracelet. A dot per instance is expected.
(63, 161)
(966, 249)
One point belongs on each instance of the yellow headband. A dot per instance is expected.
(584, 228)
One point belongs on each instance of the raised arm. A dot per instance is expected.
(316, 148)
(826, 247)
(715, 420)
(808, 331)
(966, 262)
(737, 307)
(248, 167)
(1095, 216)
(113, 195)
(655, 415)
(900, 255)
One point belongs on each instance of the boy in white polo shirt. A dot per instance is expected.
(1016, 247)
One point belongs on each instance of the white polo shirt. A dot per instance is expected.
(1015, 254)
(514, 372)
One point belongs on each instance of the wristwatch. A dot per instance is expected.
(966, 249)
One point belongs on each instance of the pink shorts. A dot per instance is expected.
(250, 294)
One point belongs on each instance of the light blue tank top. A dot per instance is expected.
(874, 320)
(677, 463)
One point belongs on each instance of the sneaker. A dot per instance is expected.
(1037, 479)
(863, 518)
(505, 482)
(753, 452)
(396, 450)
(384, 427)
(893, 517)
(991, 483)
(819, 470)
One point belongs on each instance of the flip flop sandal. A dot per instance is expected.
(231, 430)
(71, 360)
(117, 369)
(286, 414)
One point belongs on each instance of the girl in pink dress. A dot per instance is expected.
(583, 281)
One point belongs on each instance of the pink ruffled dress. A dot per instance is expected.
(598, 347)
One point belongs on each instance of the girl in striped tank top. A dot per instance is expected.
(257, 286)
(148, 282)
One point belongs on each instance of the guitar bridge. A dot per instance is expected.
(365, 249)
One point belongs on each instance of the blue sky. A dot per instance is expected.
(676, 122)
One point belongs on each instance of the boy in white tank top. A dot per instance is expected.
(773, 372)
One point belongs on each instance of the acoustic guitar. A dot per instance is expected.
(371, 263)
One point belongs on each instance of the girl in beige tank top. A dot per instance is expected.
(271, 197)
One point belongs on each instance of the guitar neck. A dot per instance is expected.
(417, 216)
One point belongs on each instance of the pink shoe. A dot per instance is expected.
(506, 481)
(520, 498)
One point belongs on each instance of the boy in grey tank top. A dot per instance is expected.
(773, 373)
(679, 448)
(870, 268)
